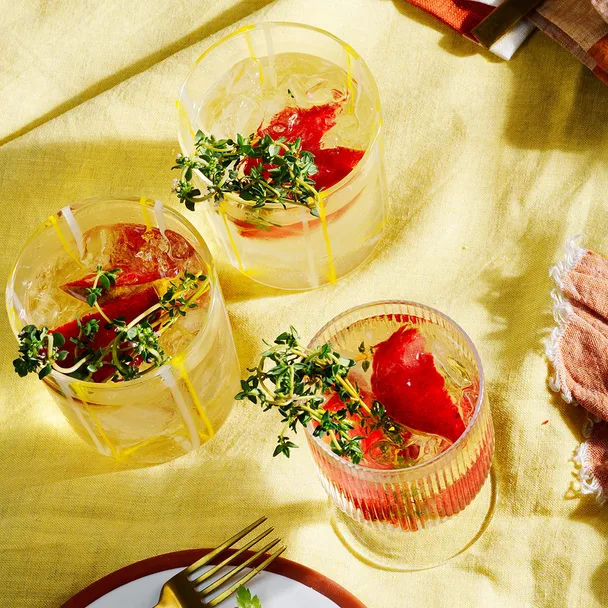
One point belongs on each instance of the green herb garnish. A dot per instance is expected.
(174, 301)
(87, 333)
(244, 599)
(367, 355)
(38, 351)
(135, 344)
(295, 380)
(282, 175)
(104, 279)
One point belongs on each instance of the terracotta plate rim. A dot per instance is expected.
(181, 559)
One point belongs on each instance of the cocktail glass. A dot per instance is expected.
(242, 82)
(174, 408)
(422, 515)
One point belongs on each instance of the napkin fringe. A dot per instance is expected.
(589, 484)
(573, 254)
(562, 309)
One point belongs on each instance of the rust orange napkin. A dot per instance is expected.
(580, 26)
(578, 350)
(460, 15)
(464, 15)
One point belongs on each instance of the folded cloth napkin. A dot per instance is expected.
(464, 15)
(592, 458)
(506, 46)
(578, 349)
(580, 26)
(601, 6)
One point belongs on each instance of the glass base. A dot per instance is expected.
(390, 548)
(300, 280)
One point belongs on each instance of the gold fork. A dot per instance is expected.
(181, 590)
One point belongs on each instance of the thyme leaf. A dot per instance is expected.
(133, 351)
(295, 380)
(280, 172)
(104, 279)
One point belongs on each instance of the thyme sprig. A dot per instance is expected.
(104, 279)
(135, 343)
(87, 332)
(295, 380)
(38, 351)
(282, 174)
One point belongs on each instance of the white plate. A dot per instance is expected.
(287, 585)
(274, 591)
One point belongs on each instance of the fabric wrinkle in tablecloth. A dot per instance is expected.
(490, 166)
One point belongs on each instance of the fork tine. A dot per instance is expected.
(222, 596)
(220, 581)
(207, 574)
(207, 558)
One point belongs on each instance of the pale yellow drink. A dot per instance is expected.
(274, 67)
(169, 410)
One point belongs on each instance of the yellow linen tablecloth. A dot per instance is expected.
(491, 165)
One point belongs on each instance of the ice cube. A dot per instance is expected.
(242, 114)
(244, 78)
(295, 89)
(381, 451)
(448, 357)
(177, 338)
(344, 133)
(45, 302)
(319, 91)
(133, 247)
(468, 401)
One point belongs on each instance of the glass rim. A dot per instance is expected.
(443, 455)
(349, 50)
(89, 202)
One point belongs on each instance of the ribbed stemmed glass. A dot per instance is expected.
(390, 517)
